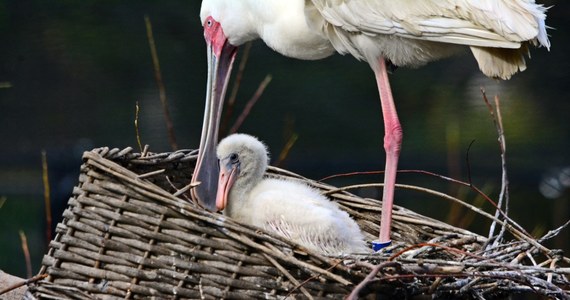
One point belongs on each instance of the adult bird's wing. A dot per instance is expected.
(482, 23)
(498, 31)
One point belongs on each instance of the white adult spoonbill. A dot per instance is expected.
(288, 208)
(404, 33)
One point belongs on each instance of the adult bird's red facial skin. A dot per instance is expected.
(221, 56)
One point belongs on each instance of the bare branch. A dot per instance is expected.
(230, 104)
(250, 104)
(137, 132)
(47, 198)
(26, 251)
(286, 149)
(160, 84)
(504, 194)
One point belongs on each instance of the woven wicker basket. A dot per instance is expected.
(130, 233)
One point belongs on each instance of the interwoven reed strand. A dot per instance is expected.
(125, 235)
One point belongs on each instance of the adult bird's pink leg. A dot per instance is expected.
(392, 145)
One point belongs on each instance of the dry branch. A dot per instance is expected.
(249, 105)
(160, 84)
(26, 252)
(504, 194)
(47, 197)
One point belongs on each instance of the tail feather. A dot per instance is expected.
(500, 62)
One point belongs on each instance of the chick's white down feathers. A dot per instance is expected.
(286, 207)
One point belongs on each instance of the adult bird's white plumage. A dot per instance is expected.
(288, 208)
(404, 32)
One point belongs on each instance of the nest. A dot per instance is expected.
(129, 232)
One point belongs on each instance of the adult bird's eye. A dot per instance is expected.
(209, 23)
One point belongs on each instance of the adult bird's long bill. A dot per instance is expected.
(221, 55)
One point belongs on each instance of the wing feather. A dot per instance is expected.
(483, 23)
(414, 32)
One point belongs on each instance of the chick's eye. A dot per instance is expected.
(234, 157)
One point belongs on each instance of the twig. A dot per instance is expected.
(433, 245)
(2, 201)
(497, 207)
(291, 139)
(26, 251)
(504, 194)
(550, 234)
(201, 289)
(47, 198)
(229, 109)
(513, 227)
(480, 258)
(300, 285)
(150, 174)
(137, 132)
(352, 174)
(513, 276)
(286, 149)
(183, 190)
(289, 276)
(356, 291)
(160, 83)
(470, 182)
(186, 188)
(420, 189)
(250, 104)
(467, 184)
(145, 150)
(553, 266)
(22, 283)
